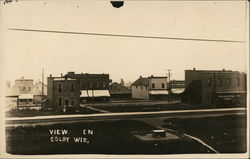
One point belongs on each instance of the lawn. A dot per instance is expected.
(109, 137)
(30, 112)
(227, 134)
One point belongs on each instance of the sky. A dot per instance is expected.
(25, 54)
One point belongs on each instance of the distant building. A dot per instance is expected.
(25, 85)
(40, 92)
(177, 86)
(92, 86)
(149, 88)
(63, 93)
(215, 87)
(117, 90)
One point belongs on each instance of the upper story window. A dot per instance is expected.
(162, 85)
(237, 82)
(72, 87)
(104, 84)
(90, 84)
(153, 85)
(83, 86)
(60, 101)
(29, 88)
(228, 82)
(72, 101)
(23, 88)
(209, 82)
(60, 88)
(97, 84)
(219, 82)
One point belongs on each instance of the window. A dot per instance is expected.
(209, 82)
(72, 101)
(83, 86)
(237, 82)
(162, 85)
(97, 84)
(141, 87)
(146, 87)
(23, 88)
(60, 88)
(60, 101)
(104, 84)
(153, 85)
(219, 81)
(228, 82)
(90, 84)
(29, 88)
(72, 87)
(136, 86)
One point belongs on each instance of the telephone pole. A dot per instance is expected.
(169, 85)
(42, 87)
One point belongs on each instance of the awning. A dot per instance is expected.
(26, 96)
(94, 93)
(158, 92)
(177, 90)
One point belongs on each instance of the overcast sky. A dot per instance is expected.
(26, 53)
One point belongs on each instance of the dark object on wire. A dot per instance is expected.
(117, 4)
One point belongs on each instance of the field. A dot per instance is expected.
(109, 137)
(227, 134)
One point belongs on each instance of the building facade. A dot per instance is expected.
(25, 85)
(92, 86)
(215, 87)
(63, 93)
(149, 88)
(118, 90)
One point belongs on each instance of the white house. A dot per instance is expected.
(149, 87)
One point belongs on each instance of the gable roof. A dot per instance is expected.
(141, 81)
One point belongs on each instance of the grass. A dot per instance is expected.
(148, 108)
(110, 137)
(30, 112)
(227, 134)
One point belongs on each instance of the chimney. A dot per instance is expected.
(140, 76)
(152, 76)
(223, 69)
(194, 69)
(61, 74)
(50, 75)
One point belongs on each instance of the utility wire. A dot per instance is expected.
(122, 35)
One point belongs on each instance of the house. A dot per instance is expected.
(150, 87)
(119, 91)
(40, 92)
(215, 87)
(63, 93)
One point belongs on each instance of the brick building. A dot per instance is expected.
(69, 90)
(92, 86)
(215, 87)
(63, 93)
(149, 88)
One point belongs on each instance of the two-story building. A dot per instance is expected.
(215, 87)
(63, 93)
(150, 87)
(92, 86)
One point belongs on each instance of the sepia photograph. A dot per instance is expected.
(126, 79)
